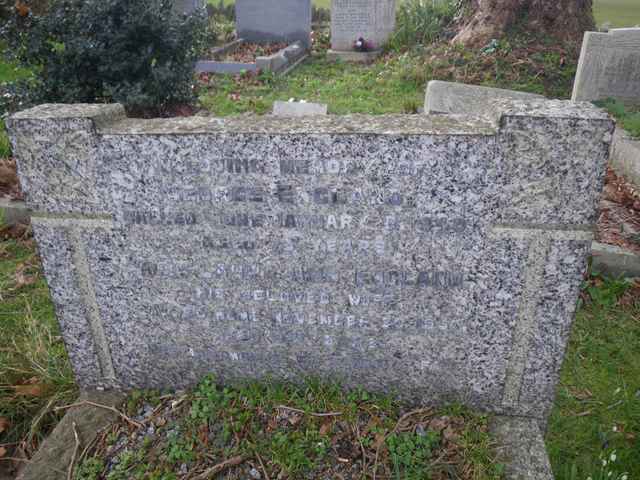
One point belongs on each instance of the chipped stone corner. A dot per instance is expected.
(520, 447)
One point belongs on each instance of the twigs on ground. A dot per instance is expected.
(264, 469)
(220, 467)
(297, 410)
(75, 451)
(105, 407)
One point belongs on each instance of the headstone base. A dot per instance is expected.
(352, 56)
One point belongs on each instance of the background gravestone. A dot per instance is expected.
(609, 66)
(440, 256)
(264, 21)
(188, 6)
(373, 20)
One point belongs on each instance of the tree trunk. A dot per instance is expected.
(561, 19)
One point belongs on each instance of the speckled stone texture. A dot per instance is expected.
(440, 256)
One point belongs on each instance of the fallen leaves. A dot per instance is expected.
(4, 424)
(30, 388)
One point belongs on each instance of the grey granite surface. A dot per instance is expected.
(440, 256)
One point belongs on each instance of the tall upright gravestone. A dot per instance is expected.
(264, 21)
(371, 20)
(609, 66)
(441, 256)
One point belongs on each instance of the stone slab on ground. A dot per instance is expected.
(521, 448)
(452, 97)
(266, 21)
(449, 248)
(352, 56)
(625, 157)
(614, 261)
(609, 66)
(52, 460)
(298, 109)
(372, 20)
(13, 212)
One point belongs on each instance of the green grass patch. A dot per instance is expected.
(597, 409)
(383, 87)
(35, 374)
(314, 430)
(627, 117)
(396, 83)
(620, 13)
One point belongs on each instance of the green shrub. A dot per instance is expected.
(421, 22)
(139, 53)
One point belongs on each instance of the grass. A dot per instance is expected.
(316, 430)
(9, 72)
(396, 83)
(597, 409)
(627, 117)
(35, 374)
(346, 88)
(620, 13)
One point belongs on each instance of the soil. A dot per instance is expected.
(619, 220)
(9, 185)
(248, 52)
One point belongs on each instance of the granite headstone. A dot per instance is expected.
(372, 20)
(264, 21)
(609, 66)
(439, 256)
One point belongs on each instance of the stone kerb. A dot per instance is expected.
(609, 66)
(438, 256)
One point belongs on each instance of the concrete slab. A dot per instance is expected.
(298, 109)
(353, 56)
(452, 97)
(521, 448)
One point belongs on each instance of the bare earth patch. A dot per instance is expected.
(619, 220)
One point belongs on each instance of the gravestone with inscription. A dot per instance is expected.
(263, 21)
(609, 66)
(371, 20)
(440, 256)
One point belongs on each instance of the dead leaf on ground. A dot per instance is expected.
(582, 395)
(4, 424)
(325, 429)
(29, 390)
(26, 274)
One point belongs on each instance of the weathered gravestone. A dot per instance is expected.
(372, 20)
(188, 6)
(609, 66)
(453, 97)
(264, 21)
(441, 256)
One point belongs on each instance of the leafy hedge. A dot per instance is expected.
(137, 52)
